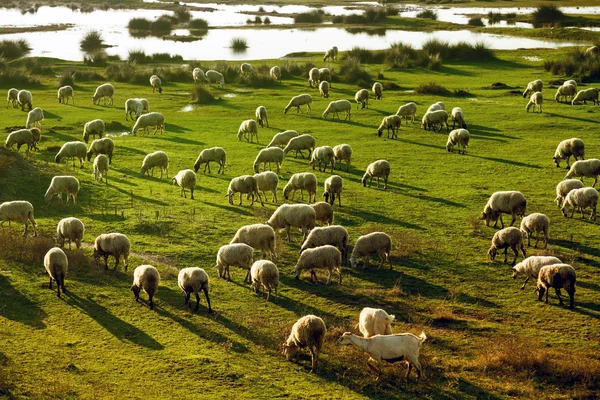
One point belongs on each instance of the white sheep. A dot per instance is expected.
(325, 75)
(565, 91)
(565, 187)
(297, 101)
(72, 150)
(281, 139)
(269, 155)
(18, 211)
(581, 199)
(408, 110)
(237, 254)
(63, 184)
(186, 179)
(93, 128)
(437, 106)
(535, 101)
(301, 181)
(375, 321)
(213, 76)
(193, 280)
(333, 188)
(324, 212)
(322, 155)
(101, 168)
(362, 98)
(333, 235)
(155, 119)
(431, 119)
(530, 267)
(246, 68)
(112, 244)
(377, 90)
(379, 243)
(299, 216)
(215, 154)
(64, 93)
(338, 106)
(324, 89)
(24, 97)
(331, 53)
(145, 277)
(259, 237)
(458, 117)
(532, 87)
(585, 168)
(459, 138)
(507, 202)
(557, 276)
(37, 136)
(377, 169)
(505, 238)
(535, 223)
(245, 184)
(56, 264)
(567, 148)
(101, 146)
(392, 122)
(265, 273)
(20, 137)
(275, 73)
(261, 117)
(248, 128)
(570, 82)
(198, 75)
(12, 97)
(343, 152)
(585, 95)
(313, 76)
(322, 257)
(35, 118)
(267, 181)
(157, 159)
(145, 105)
(72, 229)
(299, 143)
(155, 82)
(133, 108)
(102, 92)
(309, 331)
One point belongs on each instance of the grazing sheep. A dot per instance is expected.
(375, 321)
(259, 237)
(333, 235)
(93, 128)
(281, 139)
(333, 188)
(530, 267)
(567, 148)
(25, 97)
(297, 101)
(265, 273)
(101, 168)
(70, 228)
(215, 154)
(508, 202)
(261, 117)
(102, 92)
(338, 106)
(237, 254)
(458, 117)
(325, 75)
(303, 181)
(342, 152)
(593, 51)
(63, 184)
(535, 223)
(570, 82)
(155, 82)
(299, 216)
(505, 238)
(213, 76)
(275, 73)
(20, 137)
(56, 264)
(322, 257)
(101, 146)
(198, 75)
(248, 127)
(145, 105)
(408, 110)
(186, 179)
(324, 212)
(72, 150)
(379, 243)
(362, 98)
(565, 187)
(459, 138)
(18, 211)
(12, 97)
(323, 89)
(245, 184)
(145, 277)
(267, 181)
(313, 76)
(133, 108)
(437, 106)
(112, 244)
(377, 169)
(64, 93)
(586, 94)
(331, 53)
(309, 331)
(193, 280)
(377, 90)
(157, 159)
(299, 143)
(151, 119)
(535, 101)
(35, 118)
(581, 199)
(392, 122)
(532, 87)
(585, 169)
(246, 68)
(37, 136)
(269, 155)
(322, 155)
(557, 276)
(565, 91)
(431, 119)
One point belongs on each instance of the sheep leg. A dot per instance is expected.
(514, 248)
(117, 262)
(502, 221)
(150, 301)
(240, 203)
(287, 231)
(314, 360)
(558, 294)
(106, 262)
(186, 299)
(205, 290)
(50, 284)
(506, 254)
(524, 283)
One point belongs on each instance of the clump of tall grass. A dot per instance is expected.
(575, 64)
(351, 71)
(162, 26)
(547, 14)
(432, 88)
(198, 24)
(365, 55)
(315, 17)
(92, 41)
(126, 72)
(267, 21)
(400, 55)
(460, 51)
(182, 14)
(229, 73)
(476, 22)
(239, 44)
(427, 14)
(28, 250)
(392, 11)
(36, 65)
(165, 57)
(375, 14)
(17, 77)
(139, 24)
(67, 77)
(13, 49)
(201, 94)
(434, 62)
(97, 58)
(258, 80)
(136, 56)
(494, 17)
(290, 69)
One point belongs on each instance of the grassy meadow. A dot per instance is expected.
(486, 338)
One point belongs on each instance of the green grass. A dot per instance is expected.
(487, 339)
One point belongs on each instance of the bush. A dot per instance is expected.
(97, 58)
(432, 88)
(435, 46)
(351, 71)
(229, 73)
(392, 11)
(373, 14)
(469, 52)
(355, 19)
(165, 57)
(162, 26)
(139, 24)
(201, 94)
(364, 55)
(198, 24)
(36, 65)
(258, 80)
(13, 49)
(310, 17)
(239, 44)
(137, 56)
(434, 62)
(126, 72)
(267, 21)
(476, 22)
(67, 77)
(290, 69)
(547, 14)
(400, 55)
(182, 14)
(174, 74)
(427, 14)
(575, 64)
(92, 41)
(494, 18)
(17, 77)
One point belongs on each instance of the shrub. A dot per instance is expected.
(355, 19)
(258, 80)
(92, 41)
(290, 69)
(310, 17)
(427, 14)
(17, 76)
(137, 56)
(97, 58)
(257, 20)
(400, 55)
(432, 88)
(392, 11)
(13, 49)
(165, 57)
(435, 46)
(547, 14)
(267, 21)
(36, 65)
(162, 26)
(67, 77)
(126, 72)
(229, 73)
(494, 18)
(373, 14)
(239, 44)
(575, 64)
(201, 94)
(476, 22)
(351, 71)
(467, 51)
(174, 74)
(198, 24)
(434, 62)
(337, 19)
(182, 14)
(364, 55)
(139, 24)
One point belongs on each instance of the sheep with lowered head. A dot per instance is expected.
(325, 75)
(281, 139)
(245, 184)
(64, 93)
(275, 73)
(585, 169)
(557, 276)
(269, 155)
(532, 87)
(24, 97)
(377, 90)
(102, 92)
(267, 181)
(433, 119)
(63, 184)
(333, 188)
(408, 110)
(35, 118)
(237, 254)
(324, 212)
(585, 95)
(145, 277)
(259, 237)
(459, 138)
(322, 155)
(297, 101)
(56, 264)
(530, 267)
(158, 159)
(300, 216)
(193, 280)
(261, 116)
(313, 76)
(156, 83)
(71, 229)
(133, 108)
(72, 150)
(155, 119)
(93, 128)
(535, 223)
(334, 235)
(379, 243)
(112, 244)
(301, 181)
(564, 187)
(331, 53)
(565, 91)
(20, 137)
(248, 128)
(186, 179)
(362, 98)
(324, 89)
(265, 273)
(213, 76)
(322, 257)
(12, 97)
(535, 101)
(215, 154)
(100, 168)
(101, 146)
(299, 143)
(375, 321)
(377, 169)
(336, 107)
(18, 211)
(439, 105)
(581, 199)
(567, 148)
(342, 152)
(507, 202)
(198, 75)
(392, 122)
(458, 117)
(505, 238)
(309, 331)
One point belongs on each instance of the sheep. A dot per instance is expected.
(275, 73)
(112, 244)
(245, 184)
(338, 106)
(567, 148)
(265, 273)
(145, 277)
(145, 105)
(585, 168)
(593, 51)
(186, 179)
(313, 76)
(535, 223)
(299, 216)
(56, 264)
(216, 154)
(20, 137)
(155, 82)
(246, 68)
(458, 117)
(101, 168)
(70, 228)
(269, 155)
(408, 110)
(102, 92)
(377, 169)
(72, 150)
(303, 181)
(433, 118)
(193, 280)
(325, 75)
(297, 101)
(333, 188)
(565, 187)
(342, 152)
(333, 235)
(530, 267)
(36, 135)
(248, 127)
(35, 118)
(459, 138)
(390, 348)
(133, 107)
(324, 212)
(566, 90)
(299, 143)
(18, 211)
(362, 98)
(392, 122)
(93, 128)
(151, 119)
(198, 75)
(377, 90)
(324, 155)
(213, 76)
(309, 331)
(570, 82)
(375, 242)
(535, 101)
(63, 184)
(331, 53)
(507, 202)
(25, 97)
(64, 93)
(237, 254)
(267, 181)
(557, 276)
(375, 321)
(322, 257)
(505, 238)
(258, 236)
(586, 94)
(261, 116)
(281, 139)
(581, 198)
(157, 159)
(437, 106)
(323, 89)
(12, 97)
(101, 146)
(533, 87)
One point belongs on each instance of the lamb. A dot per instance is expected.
(459, 138)
(64, 93)
(458, 117)
(585, 168)
(151, 119)
(322, 155)
(157, 159)
(362, 98)
(581, 198)
(20, 137)
(12, 97)
(155, 82)
(565, 91)
(215, 154)
(322, 257)
(35, 118)
(133, 107)
(297, 101)
(565, 187)
(323, 89)
(567, 148)
(237, 254)
(557, 276)
(245, 184)
(530, 267)
(213, 76)
(198, 75)
(375, 242)
(71, 229)
(535, 101)
(535, 223)
(101, 146)
(63, 184)
(145, 277)
(192, 280)
(265, 273)
(313, 76)
(508, 202)
(593, 51)
(324, 212)
(281, 139)
(342, 152)
(102, 92)
(56, 264)
(267, 181)
(333, 235)
(408, 110)
(25, 97)
(101, 168)
(533, 87)
(18, 211)
(258, 236)
(246, 68)
(93, 128)
(390, 348)
(505, 238)
(325, 75)
(377, 169)
(275, 73)
(186, 179)
(299, 143)
(333, 188)
(248, 127)
(72, 150)
(261, 116)
(377, 90)
(112, 244)
(431, 119)
(338, 106)
(331, 53)
(269, 155)
(586, 94)
(392, 122)
(297, 215)
(303, 181)
(309, 331)
(375, 321)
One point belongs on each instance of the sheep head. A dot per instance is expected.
(289, 350)
(492, 252)
(136, 291)
(345, 339)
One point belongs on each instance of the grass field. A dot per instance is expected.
(486, 338)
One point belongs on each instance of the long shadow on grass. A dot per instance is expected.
(17, 307)
(568, 117)
(487, 131)
(131, 150)
(112, 179)
(62, 136)
(379, 218)
(586, 308)
(176, 128)
(230, 208)
(592, 251)
(180, 140)
(505, 161)
(140, 198)
(49, 115)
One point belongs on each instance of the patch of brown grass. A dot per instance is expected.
(406, 244)
(28, 250)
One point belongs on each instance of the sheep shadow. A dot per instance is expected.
(137, 197)
(82, 107)
(49, 115)
(586, 308)
(432, 146)
(257, 338)
(112, 178)
(504, 161)
(176, 128)
(180, 140)
(369, 216)
(17, 307)
(62, 137)
(567, 117)
(478, 130)
(230, 208)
